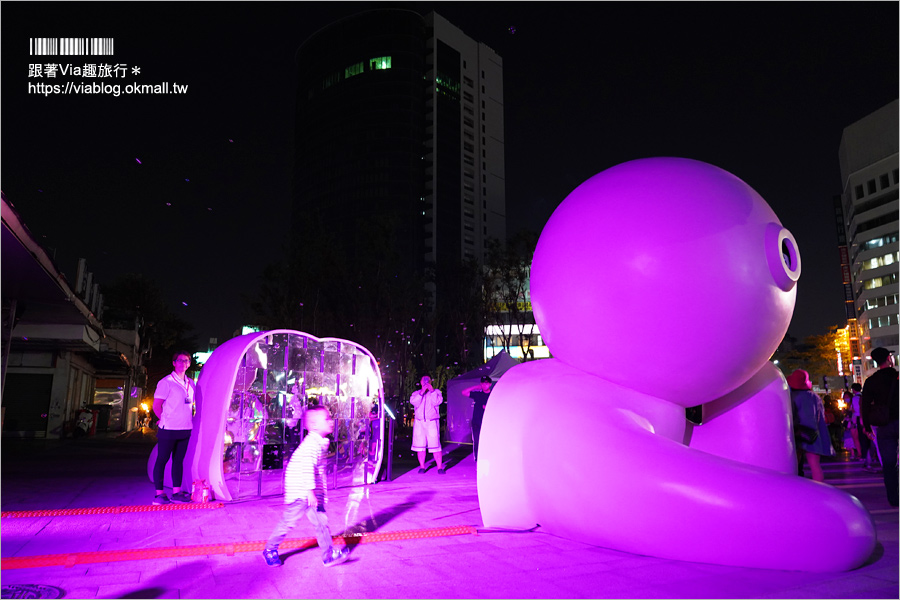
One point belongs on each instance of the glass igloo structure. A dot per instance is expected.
(251, 397)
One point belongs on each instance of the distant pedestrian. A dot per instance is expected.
(305, 490)
(426, 423)
(810, 428)
(173, 403)
(479, 395)
(855, 421)
(880, 406)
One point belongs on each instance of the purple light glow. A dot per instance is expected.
(138, 161)
(622, 468)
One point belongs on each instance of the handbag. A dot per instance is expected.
(807, 435)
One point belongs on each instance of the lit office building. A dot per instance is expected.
(399, 138)
(868, 208)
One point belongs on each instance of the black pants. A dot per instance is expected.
(476, 433)
(887, 436)
(170, 443)
(864, 442)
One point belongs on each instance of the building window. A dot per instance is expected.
(331, 80)
(879, 242)
(871, 186)
(880, 301)
(876, 222)
(877, 282)
(884, 181)
(353, 70)
(885, 321)
(382, 62)
(447, 86)
(881, 261)
(896, 176)
(859, 192)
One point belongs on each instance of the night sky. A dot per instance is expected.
(762, 90)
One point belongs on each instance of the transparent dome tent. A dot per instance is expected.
(251, 396)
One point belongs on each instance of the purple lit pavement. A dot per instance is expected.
(108, 472)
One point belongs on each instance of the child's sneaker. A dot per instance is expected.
(336, 557)
(161, 499)
(272, 558)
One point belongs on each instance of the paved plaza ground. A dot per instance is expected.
(111, 472)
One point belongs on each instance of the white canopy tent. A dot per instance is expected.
(459, 407)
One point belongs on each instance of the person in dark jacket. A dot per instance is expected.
(479, 395)
(880, 406)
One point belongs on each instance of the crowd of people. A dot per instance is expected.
(869, 418)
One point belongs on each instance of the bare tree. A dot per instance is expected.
(508, 274)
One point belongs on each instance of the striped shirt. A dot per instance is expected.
(306, 470)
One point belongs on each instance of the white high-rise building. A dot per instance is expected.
(871, 181)
(465, 186)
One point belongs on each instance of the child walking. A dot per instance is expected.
(304, 490)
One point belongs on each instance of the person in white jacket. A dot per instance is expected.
(426, 424)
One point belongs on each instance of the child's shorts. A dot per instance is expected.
(425, 435)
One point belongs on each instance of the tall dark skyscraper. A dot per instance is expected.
(399, 139)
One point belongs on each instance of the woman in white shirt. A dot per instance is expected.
(173, 402)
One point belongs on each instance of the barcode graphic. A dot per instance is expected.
(71, 46)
